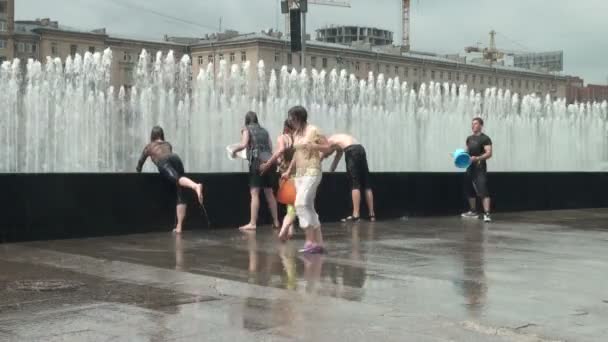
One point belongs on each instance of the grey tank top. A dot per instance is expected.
(258, 149)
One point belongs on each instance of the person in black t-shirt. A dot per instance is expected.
(479, 147)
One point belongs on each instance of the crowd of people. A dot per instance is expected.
(300, 150)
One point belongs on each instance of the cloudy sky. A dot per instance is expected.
(580, 27)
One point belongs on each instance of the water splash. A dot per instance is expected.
(68, 118)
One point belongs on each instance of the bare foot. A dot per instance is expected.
(248, 227)
(283, 235)
(199, 193)
(290, 232)
(177, 231)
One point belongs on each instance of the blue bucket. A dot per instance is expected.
(462, 159)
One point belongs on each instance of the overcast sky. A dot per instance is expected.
(580, 27)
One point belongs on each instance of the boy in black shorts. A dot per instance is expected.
(357, 170)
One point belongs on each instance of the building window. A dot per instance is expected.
(324, 61)
(527, 84)
(73, 50)
(466, 78)
(358, 66)
(21, 47)
(221, 55)
(481, 79)
(369, 67)
(232, 57)
(200, 60)
(2, 44)
(3, 26)
(289, 59)
(441, 75)
(91, 49)
(518, 83)
(474, 78)
(243, 56)
(415, 71)
(54, 49)
(277, 56)
(387, 69)
(396, 71)
(209, 58)
(512, 83)
(127, 57)
(449, 76)
(432, 74)
(406, 72)
(313, 62)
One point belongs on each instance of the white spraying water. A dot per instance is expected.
(68, 118)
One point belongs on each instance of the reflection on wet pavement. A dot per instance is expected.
(426, 279)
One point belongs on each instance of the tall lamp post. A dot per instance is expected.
(302, 5)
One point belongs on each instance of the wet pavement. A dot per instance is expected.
(525, 277)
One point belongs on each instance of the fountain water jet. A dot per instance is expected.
(70, 119)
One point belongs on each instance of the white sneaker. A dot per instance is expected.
(487, 218)
(470, 214)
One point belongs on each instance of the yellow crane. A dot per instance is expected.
(491, 53)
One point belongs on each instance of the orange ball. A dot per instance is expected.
(287, 192)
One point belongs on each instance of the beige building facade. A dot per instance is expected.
(42, 38)
(413, 68)
(7, 22)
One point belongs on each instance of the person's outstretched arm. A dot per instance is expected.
(336, 161)
(322, 145)
(243, 144)
(281, 147)
(142, 159)
(286, 174)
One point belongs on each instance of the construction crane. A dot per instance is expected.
(303, 6)
(491, 53)
(295, 3)
(405, 28)
(405, 19)
(337, 3)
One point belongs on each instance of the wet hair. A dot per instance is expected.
(157, 133)
(287, 127)
(478, 119)
(251, 118)
(298, 115)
